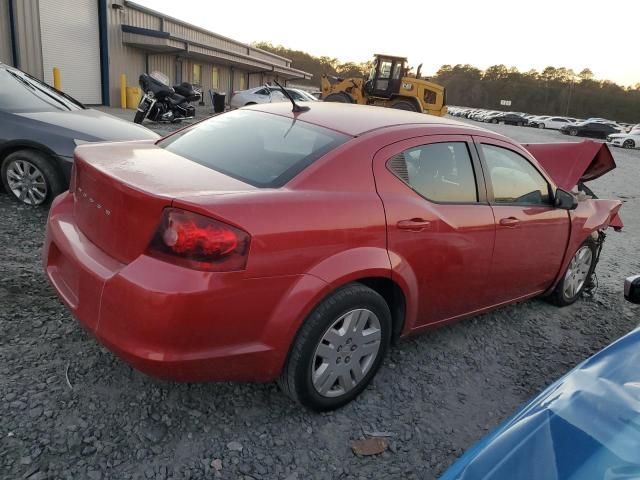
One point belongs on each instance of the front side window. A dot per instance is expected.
(514, 179)
(441, 172)
(257, 148)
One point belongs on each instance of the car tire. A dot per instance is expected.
(541, 126)
(38, 167)
(320, 372)
(577, 275)
(629, 144)
(405, 105)
(338, 97)
(494, 121)
(249, 103)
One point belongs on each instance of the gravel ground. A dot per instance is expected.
(435, 395)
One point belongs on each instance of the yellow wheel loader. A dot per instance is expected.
(388, 85)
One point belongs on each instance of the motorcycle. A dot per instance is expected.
(162, 103)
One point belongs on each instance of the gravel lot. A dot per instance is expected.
(435, 395)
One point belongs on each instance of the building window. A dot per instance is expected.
(197, 74)
(215, 77)
(242, 82)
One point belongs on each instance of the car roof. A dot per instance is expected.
(354, 119)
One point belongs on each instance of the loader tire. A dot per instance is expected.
(339, 97)
(405, 105)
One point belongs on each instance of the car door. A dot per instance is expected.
(557, 123)
(531, 234)
(440, 228)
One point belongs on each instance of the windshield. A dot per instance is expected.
(161, 77)
(21, 93)
(257, 148)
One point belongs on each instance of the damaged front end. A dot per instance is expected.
(570, 166)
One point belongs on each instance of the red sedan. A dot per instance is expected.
(267, 244)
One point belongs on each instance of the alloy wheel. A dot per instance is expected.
(27, 182)
(346, 353)
(578, 271)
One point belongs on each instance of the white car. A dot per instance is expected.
(554, 123)
(625, 140)
(533, 122)
(268, 94)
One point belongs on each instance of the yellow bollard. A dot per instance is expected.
(123, 91)
(57, 83)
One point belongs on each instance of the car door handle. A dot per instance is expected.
(414, 225)
(510, 222)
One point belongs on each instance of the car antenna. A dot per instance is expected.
(296, 108)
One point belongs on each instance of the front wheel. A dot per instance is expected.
(338, 349)
(573, 132)
(541, 126)
(31, 177)
(577, 275)
(338, 97)
(139, 118)
(629, 144)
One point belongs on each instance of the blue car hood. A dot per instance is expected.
(93, 125)
(584, 426)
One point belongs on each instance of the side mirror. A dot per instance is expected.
(565, 200)
(632, 289)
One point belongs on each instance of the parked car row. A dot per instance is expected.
(616, 134)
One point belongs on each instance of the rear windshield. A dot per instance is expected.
(260, 149)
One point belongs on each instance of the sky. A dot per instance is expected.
(600, 35)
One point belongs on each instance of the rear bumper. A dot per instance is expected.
(172, 322)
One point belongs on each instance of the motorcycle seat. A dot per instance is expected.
(176, 99)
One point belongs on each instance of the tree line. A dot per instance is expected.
(553, 91)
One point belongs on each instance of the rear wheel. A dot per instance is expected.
(338, 349)
(338, 97)
(494, 121)
(405, 105)
(573, 132)
(629, 144)
(577, 275)
(30, 177)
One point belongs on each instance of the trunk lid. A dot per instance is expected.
(120, 190)
(569, 163)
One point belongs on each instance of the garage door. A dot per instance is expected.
(71, 42)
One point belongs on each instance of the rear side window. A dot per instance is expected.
(257, 148)
(441, 172)
(514, 179)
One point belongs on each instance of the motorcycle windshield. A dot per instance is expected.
(160, 77)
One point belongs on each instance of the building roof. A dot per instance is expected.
(177, 36)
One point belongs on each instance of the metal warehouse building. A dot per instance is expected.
(93, 42)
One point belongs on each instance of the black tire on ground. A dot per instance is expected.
(559, 297)
(296, 379)
(629, 144)
(338, 97)
(249, 103)
(405, 105)
(53, 180)
(573, 132)
(139, 118)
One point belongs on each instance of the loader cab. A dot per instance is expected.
(385, 76)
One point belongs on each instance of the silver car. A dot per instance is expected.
(268, 94)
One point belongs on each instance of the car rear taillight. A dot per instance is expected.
(199, 242)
